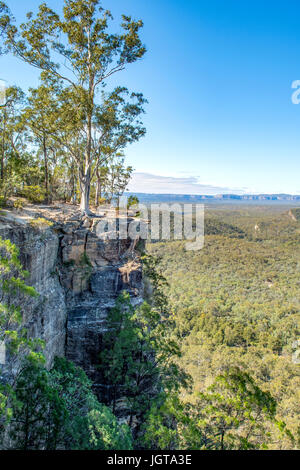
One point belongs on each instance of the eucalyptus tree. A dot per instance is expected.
(117, 177)
(12, 137)
(5, 19)
(40, 117)
(115, 123)
(79, 50)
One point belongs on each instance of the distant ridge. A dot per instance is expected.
(158, 198)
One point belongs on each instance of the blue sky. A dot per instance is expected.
(218, 79)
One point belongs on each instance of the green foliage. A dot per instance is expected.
(68, 135)
(57, 409)
(40, 223)
(19, 203)
(12, 335)
(235, 303)
(64, 112)
(85, 260)
(233, 413)
(137, 360)
(101, 201)
(157, 283)
(34, 194)
(213, 226)
(10, 267)
(3, 202)
(296, 213)
(132, 201)
(13, 144)
(164, 423)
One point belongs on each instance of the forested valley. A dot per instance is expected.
(235, 306)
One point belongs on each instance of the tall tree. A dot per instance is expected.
(233, 414)
(79, 50)
(12, 136)
(40, 117)
(5, 19)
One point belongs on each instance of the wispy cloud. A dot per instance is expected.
(156, 184)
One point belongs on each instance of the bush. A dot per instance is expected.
(19, 203)
(34, 194)
(40, 222)
(102, 201)
(132, 201)
(3, 201)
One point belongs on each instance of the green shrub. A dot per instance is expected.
(19, 203)
(85, 260)
(3, 201)
(34, 194)
(132, 201)
(40, 222)
(102, 201)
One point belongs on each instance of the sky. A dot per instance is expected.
(218, 77)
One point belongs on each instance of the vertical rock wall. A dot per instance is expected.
(78, 273)
(95, 270)
(45, 317)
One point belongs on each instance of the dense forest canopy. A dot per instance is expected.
(236, 304)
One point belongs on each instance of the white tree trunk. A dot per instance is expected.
(85, 184)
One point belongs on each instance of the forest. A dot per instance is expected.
(235, 304)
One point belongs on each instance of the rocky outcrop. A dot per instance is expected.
(95, 270)
(45, 316)
(78, 271)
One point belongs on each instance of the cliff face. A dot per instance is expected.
(78, 272)
(95, 270)
(45, 316)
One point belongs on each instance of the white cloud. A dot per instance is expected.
(156, 184)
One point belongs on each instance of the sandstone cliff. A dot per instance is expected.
(78, 272)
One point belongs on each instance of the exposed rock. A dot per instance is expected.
(79, 270)
(101, 268)
(45, 316)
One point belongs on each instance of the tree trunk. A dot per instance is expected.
(85, 186)
(3, 148)
(98, 188)
(73, 183)
(46, 170)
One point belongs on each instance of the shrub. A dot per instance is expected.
(132, 201)
(3, 201)
(102, 201)
(19, 203)
(40, 222)
(34, 194)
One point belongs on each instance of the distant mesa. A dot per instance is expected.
(190, 198)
